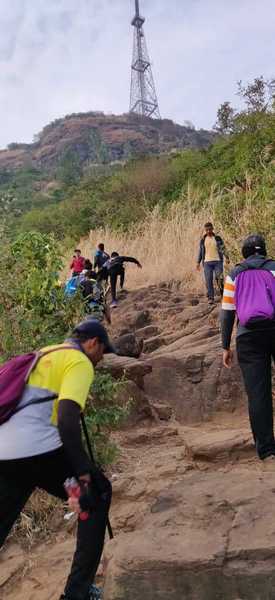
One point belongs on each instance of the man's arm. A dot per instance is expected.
(70, 432)
(199, 259)
(223, 248)
(130, 259)
(227, 323)
(227, 317)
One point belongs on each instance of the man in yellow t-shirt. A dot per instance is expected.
(41, 446)
(211, 253)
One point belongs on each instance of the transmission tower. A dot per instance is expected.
(143, 98)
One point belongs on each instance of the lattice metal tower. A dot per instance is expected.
(143, 99)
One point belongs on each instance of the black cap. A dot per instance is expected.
(254, 244)
(91, 328)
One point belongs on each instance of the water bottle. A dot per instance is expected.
(73, 490)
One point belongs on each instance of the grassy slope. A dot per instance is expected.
(235, 178)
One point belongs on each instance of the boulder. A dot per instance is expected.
(162, 411)
(128, 345)
(141, 319)
(130, 368)
(195, 385)
(154, 343)
(219, 445)
(208, 536)
(140, 410)
(148, 331)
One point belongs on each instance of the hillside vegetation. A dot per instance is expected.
(231, 182)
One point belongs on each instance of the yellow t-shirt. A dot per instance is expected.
(68, 373)
(211, 250)
(62, 375)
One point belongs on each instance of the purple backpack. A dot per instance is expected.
(14, 375)
(255, 296)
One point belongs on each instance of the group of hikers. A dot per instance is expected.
(41, 443)
(93, 279)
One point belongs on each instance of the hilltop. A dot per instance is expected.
(96, 138)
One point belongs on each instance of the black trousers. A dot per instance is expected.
(256, 350)
(113, 281)
(19, 478)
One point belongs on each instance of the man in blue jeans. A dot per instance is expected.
(211, 253)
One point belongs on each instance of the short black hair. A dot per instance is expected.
(209, 224)
(114, 254)
(254, 244)
(77, 250)
(101, 246)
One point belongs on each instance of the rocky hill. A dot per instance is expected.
(98, 138)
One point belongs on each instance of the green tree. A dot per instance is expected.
(225, 118)
(255, 94)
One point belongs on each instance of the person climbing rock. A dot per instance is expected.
(249, 292)
(94, 297)
(114, 267)
(41, 446)
(78, 263)
(88, 266)
(100, 257)
(211, 253)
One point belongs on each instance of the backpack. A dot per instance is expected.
(71, 286)
(255, 295)
(14, 375)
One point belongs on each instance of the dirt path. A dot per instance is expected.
(153, 460)
(188, 510)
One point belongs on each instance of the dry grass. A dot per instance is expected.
(42, 515)
(167, 245)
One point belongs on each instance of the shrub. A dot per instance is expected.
(33, 308)
(104, 414)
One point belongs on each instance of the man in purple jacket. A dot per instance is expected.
(249, 292)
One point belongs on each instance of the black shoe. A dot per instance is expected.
(95, 593)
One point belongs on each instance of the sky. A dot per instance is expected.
(64, 56)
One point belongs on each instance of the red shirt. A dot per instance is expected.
(77, 264)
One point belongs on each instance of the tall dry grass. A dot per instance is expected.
(167, 244)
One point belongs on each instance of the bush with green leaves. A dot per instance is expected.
(33, 309)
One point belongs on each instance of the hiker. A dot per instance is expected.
(249, 292)
(88, 266)
(94, 297)
(41, 446)
(211, 253)
(114, 267)
(100, 257)
(78, 263)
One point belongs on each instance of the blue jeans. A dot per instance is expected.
(211, 269)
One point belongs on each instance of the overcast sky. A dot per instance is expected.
(63, 56)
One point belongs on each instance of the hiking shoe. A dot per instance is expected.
(268, 464)
(95, 593)
(211, 301)
(113, 304)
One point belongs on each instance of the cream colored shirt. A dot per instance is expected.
(211, 250)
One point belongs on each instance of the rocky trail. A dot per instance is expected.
(193, 510)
